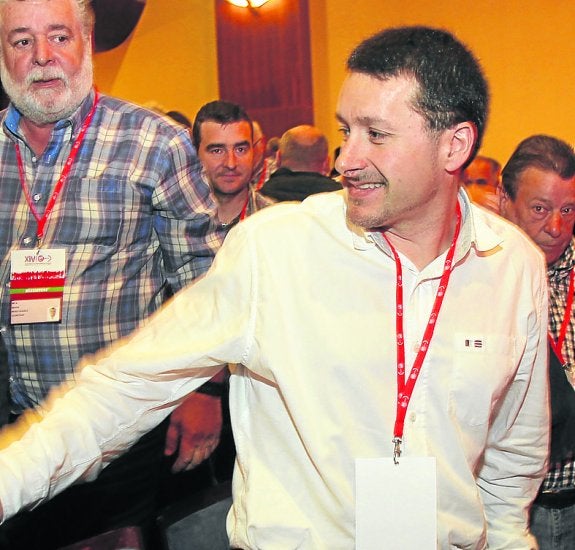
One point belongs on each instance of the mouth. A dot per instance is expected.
(369, 186)
(358, 189)
(229, 176)
(45, 78)
(46, 82)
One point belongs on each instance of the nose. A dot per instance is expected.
(554, 224)
(42, 52)
(351, 158)
(231, 160)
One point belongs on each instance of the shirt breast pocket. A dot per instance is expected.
(483, 365)
(90, 213)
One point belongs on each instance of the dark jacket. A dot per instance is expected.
(285, 185)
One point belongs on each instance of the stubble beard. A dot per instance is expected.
(360, 211)
(366, 220)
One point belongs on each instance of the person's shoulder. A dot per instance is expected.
(514, 242)
(281, 172)
(130, 115)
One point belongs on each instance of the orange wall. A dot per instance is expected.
(170, 59)
(526, 48)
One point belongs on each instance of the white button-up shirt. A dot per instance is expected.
(306, 305)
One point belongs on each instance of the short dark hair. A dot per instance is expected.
(180, 118)
(547, 153)
(452, 87)
(222, 112)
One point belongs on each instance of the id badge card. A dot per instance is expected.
(37, 285)
(396, 504)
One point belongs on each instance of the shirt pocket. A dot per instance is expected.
(483, 367)
(90, 214)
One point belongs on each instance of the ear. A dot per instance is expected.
(461, 141)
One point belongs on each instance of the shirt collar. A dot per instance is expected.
(74, 121)
(475, 232)
(564, 264)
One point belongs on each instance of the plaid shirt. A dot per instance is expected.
(561, 475)
(134, 218)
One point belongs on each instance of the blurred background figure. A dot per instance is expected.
(272, 148)
(180, 118)
(303, 164)
(262, 167)
(225, 136)
(481, 180)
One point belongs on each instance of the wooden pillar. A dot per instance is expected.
(264, 62)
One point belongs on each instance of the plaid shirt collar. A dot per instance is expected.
(12, 118)
(561, 268)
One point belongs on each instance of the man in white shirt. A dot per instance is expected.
(326, 306)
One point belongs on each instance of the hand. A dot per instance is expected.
(194, 431)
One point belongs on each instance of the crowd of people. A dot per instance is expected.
(169, 286)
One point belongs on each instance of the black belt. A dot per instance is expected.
(556, 499)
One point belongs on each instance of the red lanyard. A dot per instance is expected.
(557, 345)
(405, 388)
(263, 174)
(61, 180)
(245, 207)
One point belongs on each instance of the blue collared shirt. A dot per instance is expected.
(134, 218)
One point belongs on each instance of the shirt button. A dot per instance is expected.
(37, 197)
(416, 347)
(34, 159)
(27, 240)
(412, 417)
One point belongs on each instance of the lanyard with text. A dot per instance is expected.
(557, 345)
(405, 388)
(61, 180)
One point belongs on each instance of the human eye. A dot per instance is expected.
(344, 131)
(216, 150)
(22, 42)
(568, 211)
(539, 210)
(242, 149)
(60, 38)
(375, 136)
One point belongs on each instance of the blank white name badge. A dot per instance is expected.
(396, 504)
